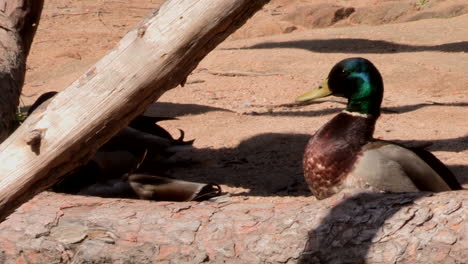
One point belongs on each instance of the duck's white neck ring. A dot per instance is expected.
(357, 114)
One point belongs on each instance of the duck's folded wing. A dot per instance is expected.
(421, 173)
(439, 167)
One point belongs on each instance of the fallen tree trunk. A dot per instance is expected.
(18, 24)
(366, 228)
(154, 57)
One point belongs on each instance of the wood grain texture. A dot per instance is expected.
(365, 228)
(157, 55)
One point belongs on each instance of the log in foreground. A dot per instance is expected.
(366, 228)
(154, 57)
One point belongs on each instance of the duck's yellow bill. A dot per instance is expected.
(315, 93)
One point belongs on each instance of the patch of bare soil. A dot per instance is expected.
(236, 103)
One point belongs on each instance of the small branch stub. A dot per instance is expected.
(141, 31)
(34, 139)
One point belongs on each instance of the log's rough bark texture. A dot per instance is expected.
(154, 57)
(364, 228)
(18, 24)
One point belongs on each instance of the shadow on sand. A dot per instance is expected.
(356, 45)
(335, 110)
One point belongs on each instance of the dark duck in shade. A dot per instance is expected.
(343, 155)
(125, 165)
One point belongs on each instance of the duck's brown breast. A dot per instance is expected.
(331, 153)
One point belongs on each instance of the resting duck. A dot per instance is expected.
(343, 155)
(115, 170)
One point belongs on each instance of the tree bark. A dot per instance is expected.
(18, 24)
(152, 58)
(365, 228)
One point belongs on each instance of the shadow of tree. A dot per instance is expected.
(169, 109)
(356, 45)
(265, 165)
(414, 107)
(177, 109)
(346, 234)
(334, 110)
(448, 144)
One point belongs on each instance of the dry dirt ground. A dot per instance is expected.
(236, 104)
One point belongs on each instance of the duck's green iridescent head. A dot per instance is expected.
(356, 79)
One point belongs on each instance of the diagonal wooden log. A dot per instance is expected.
(416, 228)
(18, 24)
(155, 56)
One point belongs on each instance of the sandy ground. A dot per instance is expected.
(246, 138)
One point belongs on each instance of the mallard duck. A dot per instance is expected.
(111, 170)
(343, 155)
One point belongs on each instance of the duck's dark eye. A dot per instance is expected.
(345, 72)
